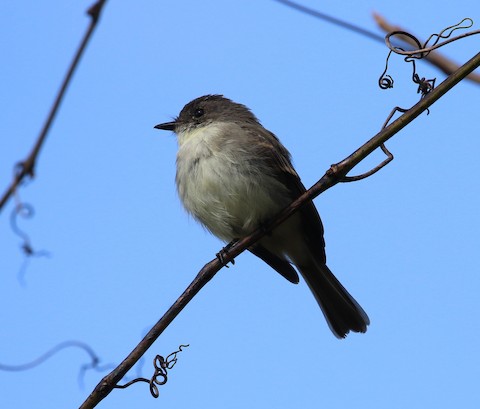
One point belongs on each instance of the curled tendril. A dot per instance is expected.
(424, 86)
(93, 364)
(424, 49)
(421, 51)
(160, 375)
(385, 81)
(25, 211)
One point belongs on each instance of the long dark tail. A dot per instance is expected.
(342, 312)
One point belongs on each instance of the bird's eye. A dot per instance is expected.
(198, 113)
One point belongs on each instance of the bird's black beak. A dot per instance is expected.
(167, 126)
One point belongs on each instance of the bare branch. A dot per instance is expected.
(334, 175)
(27, 166)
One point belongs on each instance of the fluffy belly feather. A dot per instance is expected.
(224, 193)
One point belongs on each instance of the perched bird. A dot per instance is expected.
(233, 176)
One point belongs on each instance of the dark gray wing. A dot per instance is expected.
(279, 159)
(281, 266)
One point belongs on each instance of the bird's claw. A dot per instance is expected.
(223, 252)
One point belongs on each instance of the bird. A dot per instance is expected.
(234, 176)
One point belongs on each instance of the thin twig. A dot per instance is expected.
(334, 175)
(27, 167)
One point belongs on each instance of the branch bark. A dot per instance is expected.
(334, 175)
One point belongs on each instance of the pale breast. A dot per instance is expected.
(221, 187)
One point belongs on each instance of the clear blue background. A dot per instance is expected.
(404, 242)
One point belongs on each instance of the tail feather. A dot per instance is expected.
(342, 312)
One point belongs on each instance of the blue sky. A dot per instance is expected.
(404, 242)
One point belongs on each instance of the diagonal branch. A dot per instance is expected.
(334, 175)
(27, 167)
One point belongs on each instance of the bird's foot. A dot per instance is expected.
(223, 252)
